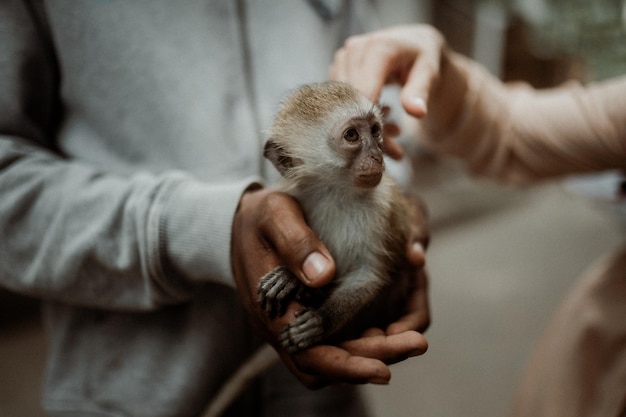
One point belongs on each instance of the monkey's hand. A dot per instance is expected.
(277, 289)
(303, 332)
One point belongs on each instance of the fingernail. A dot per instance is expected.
(420, 104)
(314, 266)
(416, 352)
(418, 247)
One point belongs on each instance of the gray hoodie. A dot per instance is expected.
(128, 131)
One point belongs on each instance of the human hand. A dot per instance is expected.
(408, 55)
(403, 338)
(269, 230)
(417, 316)
(415, 57)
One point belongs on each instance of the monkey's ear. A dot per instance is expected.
(278, 156)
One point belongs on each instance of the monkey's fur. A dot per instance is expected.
(326, 141)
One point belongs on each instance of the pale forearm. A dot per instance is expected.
(517, 134)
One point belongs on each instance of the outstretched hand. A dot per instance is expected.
(406, 55)
(269, 230)
(416, 57)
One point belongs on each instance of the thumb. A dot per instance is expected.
(318, 268)
(296, 244)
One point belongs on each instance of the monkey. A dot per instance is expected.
(326, 142)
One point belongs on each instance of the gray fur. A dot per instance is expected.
(355, 223)
(363, 228)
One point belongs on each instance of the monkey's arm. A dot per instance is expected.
(343, 302)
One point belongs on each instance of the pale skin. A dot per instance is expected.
(518, 121)
(269, 230)
(415, 57)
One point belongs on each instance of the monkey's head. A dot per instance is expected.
(328, 131)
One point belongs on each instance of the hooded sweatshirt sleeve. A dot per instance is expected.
(518, 134)
(76, 233)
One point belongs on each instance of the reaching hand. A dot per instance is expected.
(408, 55)
(416, 57)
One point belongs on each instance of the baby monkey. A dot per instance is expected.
(326, 141)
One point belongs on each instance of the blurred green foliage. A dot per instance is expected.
(594, 30)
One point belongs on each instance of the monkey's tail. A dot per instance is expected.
(259, 362)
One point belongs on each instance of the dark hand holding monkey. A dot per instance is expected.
(326, 142)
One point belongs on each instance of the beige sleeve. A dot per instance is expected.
(518, 134)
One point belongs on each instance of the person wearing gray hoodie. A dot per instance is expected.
(129, 132)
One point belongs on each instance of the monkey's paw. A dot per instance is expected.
(277, 289)
(306, 330)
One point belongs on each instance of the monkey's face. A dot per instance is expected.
(358, 142)
(328, 133)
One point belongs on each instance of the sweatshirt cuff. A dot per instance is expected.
(196, 230)
(459, 138)
(474, 135)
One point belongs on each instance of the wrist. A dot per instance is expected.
(197, 230)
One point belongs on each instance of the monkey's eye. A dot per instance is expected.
(375, 131)
(351, 135)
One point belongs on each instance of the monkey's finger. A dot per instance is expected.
(388, 348)
(391, 130)
(295, 243)
(392, 148)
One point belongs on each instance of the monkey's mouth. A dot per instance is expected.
(369, 179)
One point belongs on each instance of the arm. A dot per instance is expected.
(518, 134)
(507, 131)
(73, 233)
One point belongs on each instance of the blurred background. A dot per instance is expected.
(501, 258)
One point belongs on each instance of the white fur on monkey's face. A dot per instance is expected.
(357, 141)
(328, 129)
